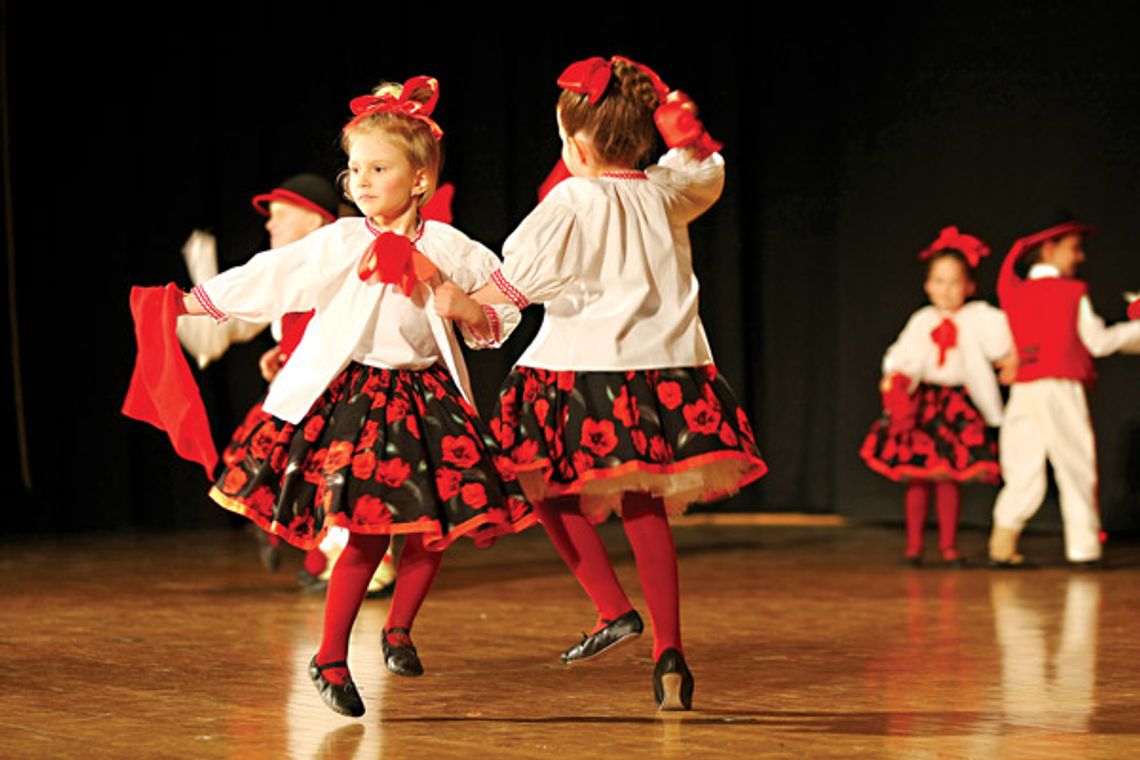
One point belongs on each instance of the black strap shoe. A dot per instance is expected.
(341, 697)
(401, 660)
(628, 626)
(672, 682)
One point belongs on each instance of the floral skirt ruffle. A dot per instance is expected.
(949, 441)
(381, 451)
(678, 434)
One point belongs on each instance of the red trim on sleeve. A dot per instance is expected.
(496, 325)
(510, 291)
(204, 301)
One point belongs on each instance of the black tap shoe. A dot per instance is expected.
(341, 697)
(672, 682)
(401, 660)
(628, 626)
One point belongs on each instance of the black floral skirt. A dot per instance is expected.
(949, 441)
(381, 451)
(675, 433)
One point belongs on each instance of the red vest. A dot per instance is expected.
(1043, 317)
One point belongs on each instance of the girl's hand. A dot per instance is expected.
(1007, 368)
(271, 363)
(190, 305)
(452, 302)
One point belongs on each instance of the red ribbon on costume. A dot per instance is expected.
(366, 105)
(675, 116)
(439, 207)
(950, 238)
(945, 336)
(162, 390)
(392, 258)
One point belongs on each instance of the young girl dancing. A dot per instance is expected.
(617, 406)
(940, 395)
(369, 424)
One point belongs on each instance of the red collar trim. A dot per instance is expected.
(261, 203)
(626, 174)
(371, 225)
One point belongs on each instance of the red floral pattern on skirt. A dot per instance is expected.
(949, 441)
(578, 425)
(382, 451)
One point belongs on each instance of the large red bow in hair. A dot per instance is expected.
(393, 259)
(676, 114)
(971, 247)
(366, 105)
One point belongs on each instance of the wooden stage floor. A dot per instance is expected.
(806, 641)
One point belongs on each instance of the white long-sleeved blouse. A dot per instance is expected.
(374, 324)
(610, 259)
(983, 336)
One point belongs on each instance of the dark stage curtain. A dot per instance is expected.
(851, 140)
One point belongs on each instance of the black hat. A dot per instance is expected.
(308, 191)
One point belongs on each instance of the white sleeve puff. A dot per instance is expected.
(995, 336)
(544, 254)
(693, 184)
(908, 353)
(279, 281)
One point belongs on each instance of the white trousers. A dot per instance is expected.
(1049, 419)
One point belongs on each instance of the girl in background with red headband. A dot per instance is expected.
(940, 395)
(370, 425)
(617, 406)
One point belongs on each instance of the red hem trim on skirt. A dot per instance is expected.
(434, 539)
(760, 469)
(985, 472)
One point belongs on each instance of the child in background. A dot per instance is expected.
(371, 425)
(940, 395)
(617, 406)
(1057, 335)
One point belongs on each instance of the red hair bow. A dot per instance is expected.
(676, 114)
(393, 259)
(366, 105)
(589, 77)
(971, 247)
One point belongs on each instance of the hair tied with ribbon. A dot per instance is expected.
(392, 258)
(675, 115)
(951, 239)
(403, 104)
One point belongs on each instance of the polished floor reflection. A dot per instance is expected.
(805, 641)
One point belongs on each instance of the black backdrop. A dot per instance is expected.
(851, 140)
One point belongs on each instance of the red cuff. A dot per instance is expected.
(513, 294)
(495, 323)
(204, 301)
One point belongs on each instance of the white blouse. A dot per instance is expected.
(983, 337)
(373, 324)
(610, 259)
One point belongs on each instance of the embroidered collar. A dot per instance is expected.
(624, 174)
(376, 231)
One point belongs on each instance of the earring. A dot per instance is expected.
(342, 185)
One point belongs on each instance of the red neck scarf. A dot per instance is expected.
(392, 258)
(945, 336)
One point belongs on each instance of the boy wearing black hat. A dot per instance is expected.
(300, 205)
(1057, 335)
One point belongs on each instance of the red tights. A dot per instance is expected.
(349, 582)
(947, 498)
(651, 538)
